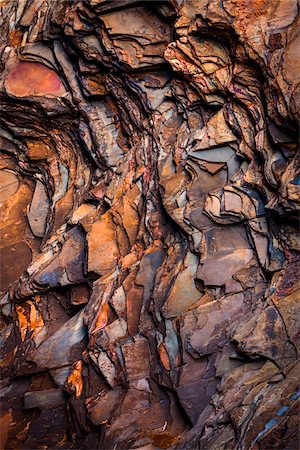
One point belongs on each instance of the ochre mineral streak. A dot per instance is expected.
(149, 197)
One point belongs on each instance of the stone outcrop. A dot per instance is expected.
(149, 198)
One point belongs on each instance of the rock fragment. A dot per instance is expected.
(149, 199)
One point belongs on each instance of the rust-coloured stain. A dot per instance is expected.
(149, 233)
(33, 79)
(102, 318)
(15, 38)
(29, 319)
(74, 380)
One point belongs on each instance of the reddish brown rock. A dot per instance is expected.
(103, 248)
(149, 199)
(30, 79)
(9, 185)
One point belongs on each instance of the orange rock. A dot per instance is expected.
(38, 150)
(31, 79)
(74, 381)
(15, 38)
(22, 321)
(9, 185)
(164, 357)
(102, 318)
(103, 250)
(30, 319)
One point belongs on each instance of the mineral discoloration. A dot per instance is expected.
(31, 79)
(149, 196)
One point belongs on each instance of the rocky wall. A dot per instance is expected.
(149, 201)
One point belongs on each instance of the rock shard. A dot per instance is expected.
(149, 223)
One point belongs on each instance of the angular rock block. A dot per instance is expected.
(149, 224)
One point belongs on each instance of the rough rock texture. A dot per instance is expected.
(149, 203)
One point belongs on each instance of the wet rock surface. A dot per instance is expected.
(149, 202)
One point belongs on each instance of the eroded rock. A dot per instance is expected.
(149, 197)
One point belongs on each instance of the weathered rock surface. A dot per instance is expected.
(149, 206)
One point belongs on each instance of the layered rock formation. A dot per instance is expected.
(149, 201)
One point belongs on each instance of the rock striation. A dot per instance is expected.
(149, 204)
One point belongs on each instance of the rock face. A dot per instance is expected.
(149, 198)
